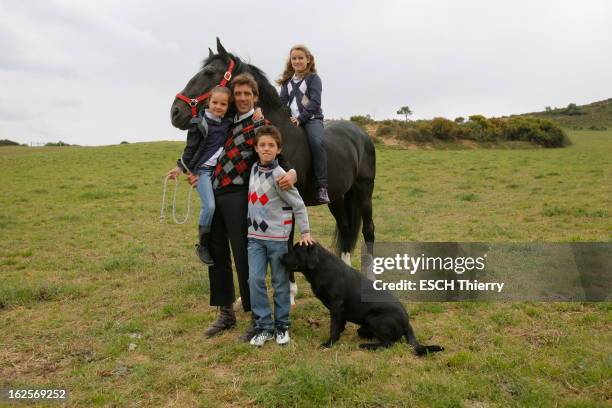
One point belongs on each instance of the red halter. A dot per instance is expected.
(194, 102)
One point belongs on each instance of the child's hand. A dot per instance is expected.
(306, 239)
(174, 173)
(295, 121)
(258, 114)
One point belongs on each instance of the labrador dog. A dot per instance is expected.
(340, 288)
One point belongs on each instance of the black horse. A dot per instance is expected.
(350, 152)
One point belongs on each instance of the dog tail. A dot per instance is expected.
(420, 349)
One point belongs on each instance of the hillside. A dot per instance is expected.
(594, 116)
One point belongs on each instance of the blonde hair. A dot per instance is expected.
(288, 72)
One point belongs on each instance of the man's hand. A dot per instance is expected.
(174, 173)
(192, 179)
(287, 180)
(295, 121)
(306, 239)
(258, 114)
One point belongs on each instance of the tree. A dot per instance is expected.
(459, 119)
(404, 110)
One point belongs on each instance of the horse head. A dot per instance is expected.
(212, 73)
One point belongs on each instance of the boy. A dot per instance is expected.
(270, 211)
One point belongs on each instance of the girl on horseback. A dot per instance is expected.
(301, 93)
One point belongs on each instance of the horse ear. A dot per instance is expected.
(210, 53)
(220, 48)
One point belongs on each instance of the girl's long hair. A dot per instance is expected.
(288, 72)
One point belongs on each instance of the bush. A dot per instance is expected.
(384, 130)
(443, 129)
(6, 142)
(60, 143)
(413, 135)
(424, 128)
(572, 109)
(540, 131)
(362, 120)
(124, 142)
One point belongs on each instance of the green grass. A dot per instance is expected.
(86, 270)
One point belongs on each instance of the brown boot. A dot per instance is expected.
(225, 321)
(250, 332)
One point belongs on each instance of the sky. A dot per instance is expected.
(101, 72)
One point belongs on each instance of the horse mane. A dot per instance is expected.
(267, 92)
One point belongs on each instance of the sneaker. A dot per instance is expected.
(322, 196)
(260, 338)
(282, 336)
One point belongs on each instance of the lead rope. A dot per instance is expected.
(162, 215)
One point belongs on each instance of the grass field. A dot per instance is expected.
(98, 297)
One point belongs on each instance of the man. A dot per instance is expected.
(229, 225)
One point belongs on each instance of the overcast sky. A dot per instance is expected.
(100, 72)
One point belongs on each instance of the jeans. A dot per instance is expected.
(207, 196)
(314, 131)
(262, 252)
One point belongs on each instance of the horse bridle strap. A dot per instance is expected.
(194, 102)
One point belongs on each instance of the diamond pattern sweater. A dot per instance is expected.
(270, 208)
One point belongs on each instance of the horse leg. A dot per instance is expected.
(337, 209)
(293, 288)
(365, 191)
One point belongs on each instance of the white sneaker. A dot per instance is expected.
(260, 338)
(282, 336)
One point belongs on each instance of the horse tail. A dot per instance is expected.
(345, 238)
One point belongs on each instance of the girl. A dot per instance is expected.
(301, 92)
(205, 140)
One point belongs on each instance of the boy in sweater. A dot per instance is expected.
(270, 211)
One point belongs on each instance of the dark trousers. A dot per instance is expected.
(229, 224)
(314, 131)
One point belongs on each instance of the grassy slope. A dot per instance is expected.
(593, 114)
(86, 269)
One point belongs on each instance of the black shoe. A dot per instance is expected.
(322, 196)
(202, 247)
(250, 332)
(225, 321)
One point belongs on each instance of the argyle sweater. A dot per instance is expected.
(270, 208)
(234, 164)
(302, 96)
(236, 158)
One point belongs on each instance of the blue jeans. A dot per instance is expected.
(316, 142)
(207, 197)
(262, 252)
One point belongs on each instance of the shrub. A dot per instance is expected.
(572, 109)
(424, 128)
(124, 142)
(6, 142)
(362, 120)
(540, 131)
(60, 143)
(384, 130)
(442, 128)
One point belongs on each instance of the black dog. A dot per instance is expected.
(340, 288)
